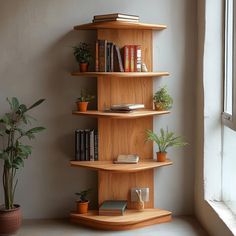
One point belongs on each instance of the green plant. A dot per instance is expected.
(165, 140)
(13, 152)
(83, 195)
(85, 97)
(82, 53)
(162, 99)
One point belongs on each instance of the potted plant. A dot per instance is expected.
(82, 55)
(83, 100)
(162, 100)
(82, 203)
(164, 141)
(13, 153)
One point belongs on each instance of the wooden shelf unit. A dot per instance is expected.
(123, 168)
(124, 133)
(121, 74)
(116, 115)
(132, 219)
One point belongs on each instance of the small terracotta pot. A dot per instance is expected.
(10, 220)
(82, 106)
(158, 106)
(161, 156)
(83, 67)
(82, 207)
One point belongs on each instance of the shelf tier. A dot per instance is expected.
(124, 168)
(130, 220)
(115, 115)
(120, 25)
(121, 74)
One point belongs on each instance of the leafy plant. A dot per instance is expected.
(162, 99)
(14, 152)
(83, 195)
(165, 140)
(85, 97)
(82, 53)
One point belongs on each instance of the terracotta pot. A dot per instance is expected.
(161, 156)
(158, 106)
(10, 220)
(83, 67)
(82, 106)
(82, 207)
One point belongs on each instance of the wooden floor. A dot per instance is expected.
(180, 226)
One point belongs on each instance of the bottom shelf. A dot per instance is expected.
(132, 219)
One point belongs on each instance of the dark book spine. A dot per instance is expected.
(102, 46)
(108, 57)
(112, 57)
(82, 145)
(97, 58)
(95, 145)
(77, 145)
(91, 145)
(119, 59)
(87, 158)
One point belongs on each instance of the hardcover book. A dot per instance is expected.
(77, 145)
(113, 207)
(118, 65)
(116, 15)
(126, 55)
(102, 55)
(126, 107)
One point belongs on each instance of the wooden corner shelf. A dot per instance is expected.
(127, 168)
(116, 115)
(132, 219)
(121, 74)
(120, 25)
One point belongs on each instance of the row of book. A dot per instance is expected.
(86, 145)
(116, 17)
(109, 57)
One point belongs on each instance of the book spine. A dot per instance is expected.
(138, 58)
(108, 60)
(77, 145)
(102, 55)
(131, 56)
(82, 145)
(97, 58)
(91, 145)
(112, 57)
(119, 59)
(126, 58)
(87, 149)
(95, 145)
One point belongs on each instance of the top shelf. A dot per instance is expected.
(119, 25)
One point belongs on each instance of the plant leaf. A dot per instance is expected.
(36, 104)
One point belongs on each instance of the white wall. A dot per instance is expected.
(35, 61)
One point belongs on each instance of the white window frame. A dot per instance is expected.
(229, 120)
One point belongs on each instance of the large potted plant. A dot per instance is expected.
(83, 202)
(162, 100)
(82, 55)
(164, 141)
(13, 153)
(83, 100)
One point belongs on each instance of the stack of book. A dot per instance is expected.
(113, 208)
(126, 107)
(86, 145)
(116, 17)
(132, 58)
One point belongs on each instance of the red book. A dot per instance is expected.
(126, 58)
(132, 58)
(138, 58)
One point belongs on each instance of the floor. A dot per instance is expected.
(180, 226)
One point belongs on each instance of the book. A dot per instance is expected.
(131, 57)
(87, 145)
(115, 19)
(102, 57)
(96, 145)
(126, 56)
(126, 107)
(112, 207)
(96, 58)
(82, 145)
(77, 145)
(91, 145)
(116, 15)
(127, 159)
(118, 65)
(112, 57)
(137, 58)
(108, 61)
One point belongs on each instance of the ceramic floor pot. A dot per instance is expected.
(82, 207)
(83, 67)
(82, 106)
(161, 156)
(10, 220)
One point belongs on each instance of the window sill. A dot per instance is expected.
(225, 214)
